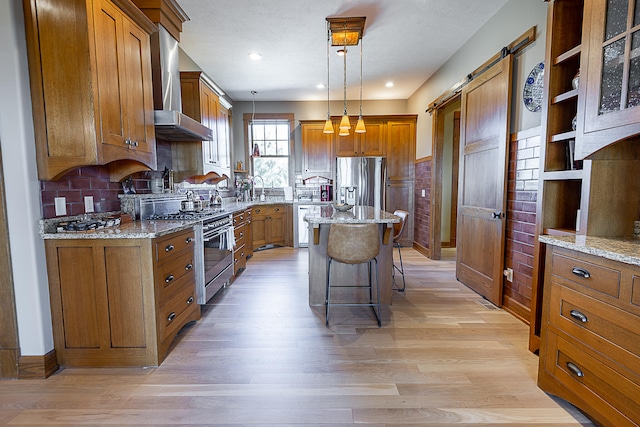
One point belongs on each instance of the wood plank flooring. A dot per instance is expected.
(262, 357)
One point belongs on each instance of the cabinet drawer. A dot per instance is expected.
(171, 315)
(239, 259)
(595, 383)
(238, 218)
(268, 210)
(607, 329)
(169, 245)
(596, 277)
(173, 269)
(239, 233)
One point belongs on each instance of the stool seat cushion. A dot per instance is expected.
(353, 243)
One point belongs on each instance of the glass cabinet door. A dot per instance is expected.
(611, 91)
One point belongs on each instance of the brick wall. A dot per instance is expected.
(422, 205)
(94, 181)
(522, 191)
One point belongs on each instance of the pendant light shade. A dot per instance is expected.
(328, 126)
(360, 128)
(345, 123)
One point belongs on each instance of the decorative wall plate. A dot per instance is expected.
(532, 94)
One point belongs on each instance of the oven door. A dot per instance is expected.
(218, 261)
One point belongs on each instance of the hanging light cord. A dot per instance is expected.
(361, 79)
(344, 52)
(328, 53)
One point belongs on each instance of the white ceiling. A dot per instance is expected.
(405, 41)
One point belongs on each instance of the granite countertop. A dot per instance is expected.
(357, 215)
(131, 230)
(625, 250)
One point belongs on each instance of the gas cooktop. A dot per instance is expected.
(203, 214)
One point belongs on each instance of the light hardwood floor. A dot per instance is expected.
(261, 356)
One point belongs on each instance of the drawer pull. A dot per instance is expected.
(171, 316)
(190, 300)
(169, 248)
(575, 370)
(188, 240)
(169, 278)
(241, 234)
(188, 267)
(579, 316)
(581, 272)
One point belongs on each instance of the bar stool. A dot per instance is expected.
(397, 231)
(353, 244)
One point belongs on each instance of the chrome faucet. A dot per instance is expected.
(262, 196)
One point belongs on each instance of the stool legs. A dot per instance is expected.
(400, 270)
(371, 303)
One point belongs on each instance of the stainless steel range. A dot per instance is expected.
(214, 241)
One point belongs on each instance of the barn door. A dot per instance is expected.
(484, 138)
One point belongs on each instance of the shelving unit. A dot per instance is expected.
(561, 179)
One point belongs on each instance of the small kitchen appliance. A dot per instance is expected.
(326, 192)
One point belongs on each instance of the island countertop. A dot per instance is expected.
(356, 215)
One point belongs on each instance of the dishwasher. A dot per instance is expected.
(302, 232)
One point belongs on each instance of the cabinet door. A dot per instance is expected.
(276, 225)
(111, 79)
(317, 150)
(209, 102)
(348, 145)
(258, 225)
(401, 144)
(611, 92)
(372, 142)
(224, 159)
(138, 88)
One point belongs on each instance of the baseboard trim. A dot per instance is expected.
(424, 251)
(37, 367)
(516, 309)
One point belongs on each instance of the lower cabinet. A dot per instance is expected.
(590, 336)
(120, 302)
(269, 225)
(239, 249)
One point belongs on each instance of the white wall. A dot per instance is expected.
(22, 186)
(509, 23)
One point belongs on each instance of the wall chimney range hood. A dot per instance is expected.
(170, 123)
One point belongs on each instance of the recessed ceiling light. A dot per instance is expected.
(255, 56)
(321, 86)
(389, 84)
(341, 52)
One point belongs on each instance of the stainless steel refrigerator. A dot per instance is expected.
(360, 181)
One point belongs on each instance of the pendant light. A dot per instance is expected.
(256, 148)
(328, 125)
(360, 128)
(345, 125)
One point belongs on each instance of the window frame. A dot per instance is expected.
(248, 144)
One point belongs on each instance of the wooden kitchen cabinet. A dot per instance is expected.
(371, 143)
(317, 150)
(269, 225)
(590, 344)
(201, 103)
(609, 91)
(92, 94)
(401, 148)
(120, 302)
(242, 234)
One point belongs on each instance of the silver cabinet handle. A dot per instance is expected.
(581, 272)
(171, 316)
(190, 300)
(579, 316)
(575, 370)
(169, 278)
(188, 267)
(188, 240)
(134, 143)
(169, 248)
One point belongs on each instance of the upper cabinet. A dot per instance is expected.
(92, 94)
(609, 91)
(370, 143)
(317, 150)
(201, 103)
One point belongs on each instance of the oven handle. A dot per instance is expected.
(215, 233)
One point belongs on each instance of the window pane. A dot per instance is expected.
(616, 17)
(283, 130)
(269, 148)
(612, 69)
(633, 97)
(274, 171)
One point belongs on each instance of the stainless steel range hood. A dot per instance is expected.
(170, 123)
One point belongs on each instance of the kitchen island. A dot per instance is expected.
(319, 223)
